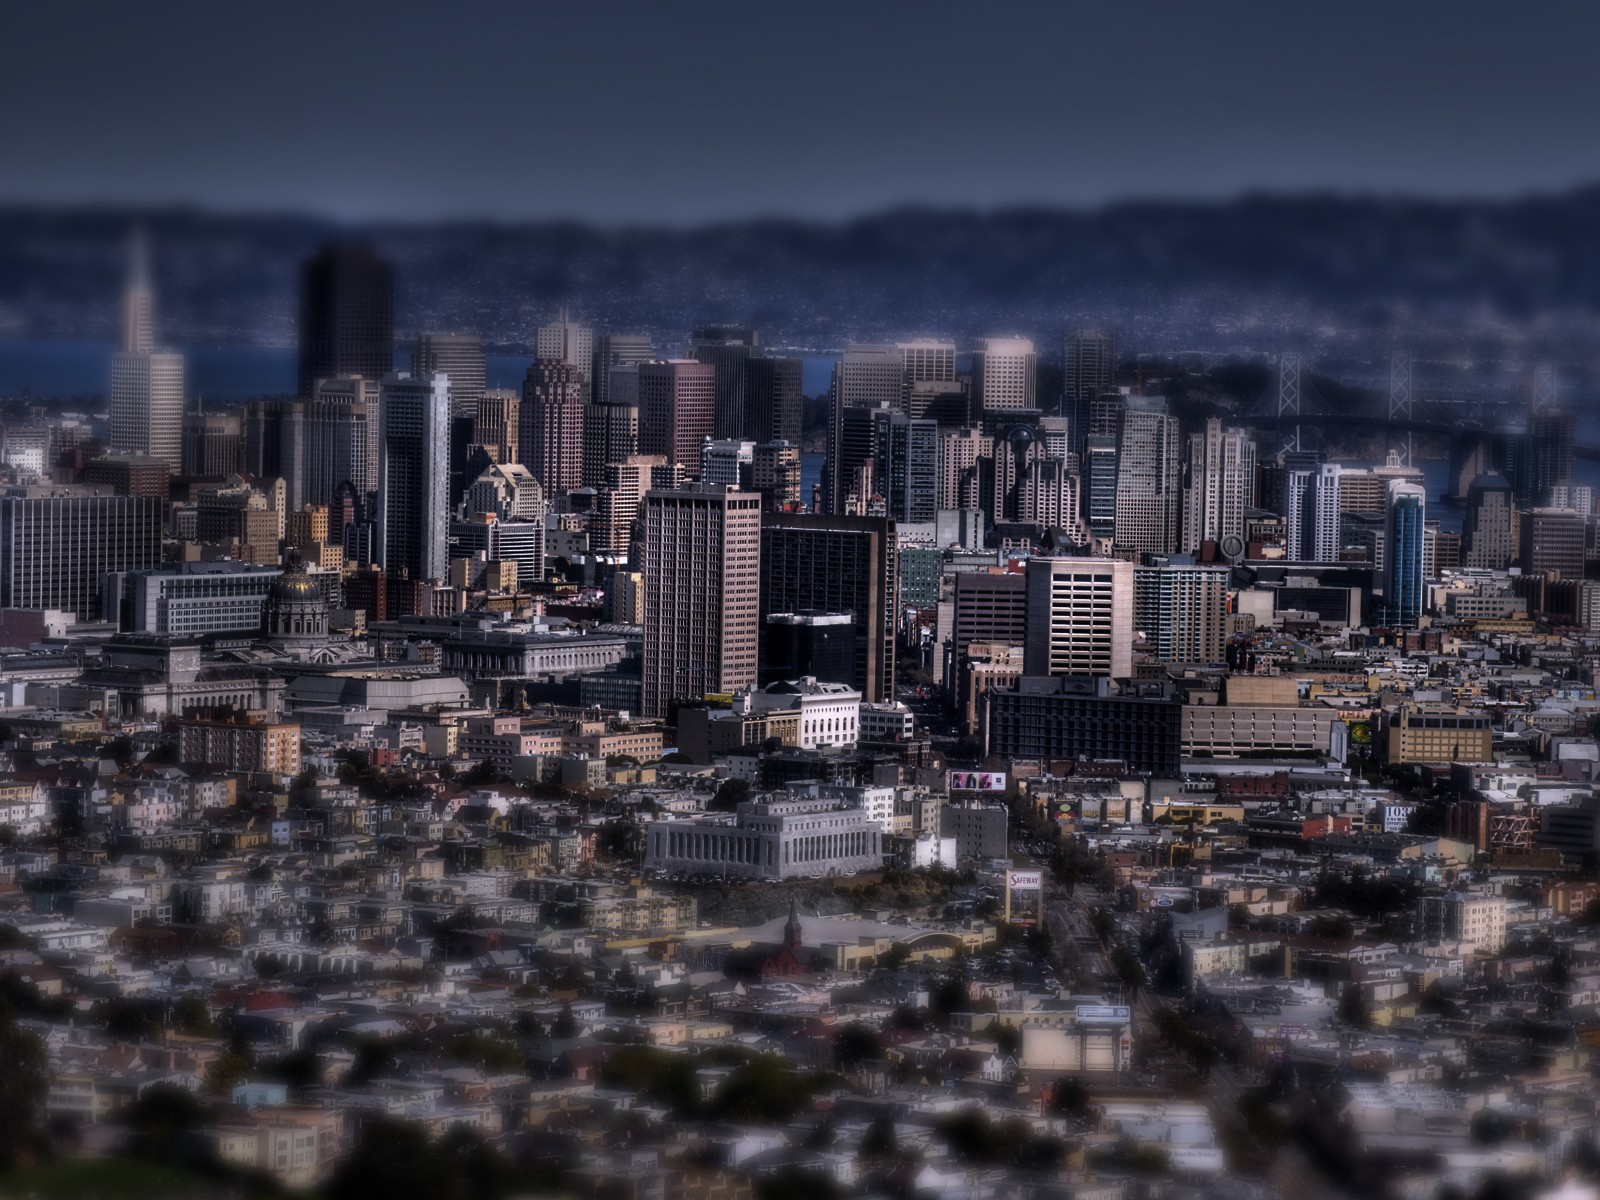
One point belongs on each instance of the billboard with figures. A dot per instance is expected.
(977, 781)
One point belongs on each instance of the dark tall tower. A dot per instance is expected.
(773, 401)
(837, 564)
(1089, 366)
(727, 350)
(346, 315)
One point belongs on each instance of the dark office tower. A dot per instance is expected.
(837, 564)
(1552, 542)
(773, 401)
(727, 350)
(413, 485)
(775, 473)
(614, 350)
(275, 433)
(611, 429)
(907, 466)
(57, 544)
(1100, 484)
(822, 645)
(1089, 366)
(1550, 438)
(677, 409)
(213, 445)
(551, 432)
(346, 315)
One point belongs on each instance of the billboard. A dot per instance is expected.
(977, 781)
(1024, 881)
(1103, 1014)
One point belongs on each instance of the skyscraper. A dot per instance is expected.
(499, 424)
(727, 350)
(346, 315)
(774, 405)
(868, 376)
(1148, 476)
(1221, 471)
(275, 433)
(213, 445)
(413, 478)
(702, 570)
(614, 350)
(146, 399)
(622, 488)
(58, 543)
(677, 400)
(550, 433)
(838, 564)
(1100, 484)
(1324, 513)
(362, 395)
(1552, 542)
(564, 341)
(1489, 528)
(1089, 367)
(1004, 374)
(1182, 610)
(1404, 580)
(1079, 617)
(907, 470)
(611, 426)
(460, 357)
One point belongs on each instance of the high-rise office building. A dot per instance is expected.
(907, 469)
(413, 532)
(1048, 497)
(1326, 540)
(498, 426)
(346, 315)
(867, 376)
(1089, 367)
(213, 445)
(960, 452)
(57, 543)
(926, 361)
(611, 427)
(1404, 580)
(729, 461)
(146, 397)
(727, 350)
(1079, 617)
(1552, 542)
(1100, 484)
(702, 570)
(1489, 528)
(622, 488)
(1182, 610)
(550, 433)
(1149, 474)
(563, 341)
(1004, 374)
(775, 473)
(1220, 480)
(677, 403)
(275, 433)
(460, 357)
(1547, 454)
(338, 445)
(363, 395)
(837, 564)
(615, 350)
(774, 404)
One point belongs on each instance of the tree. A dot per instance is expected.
(730, 794)
(763, 1091)
(227, 1072)
(565, 1025)
(24, 1081)
(855, 1044)
(160, 1118)
(391, 1158)
(879, 1140)
(1070, 1098)
(191, 1015)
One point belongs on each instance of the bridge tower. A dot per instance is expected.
(1400, 396)
(1289, 399)
(1542, 395)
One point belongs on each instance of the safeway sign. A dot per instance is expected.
(1024, 881)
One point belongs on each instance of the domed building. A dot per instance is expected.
(295, 615)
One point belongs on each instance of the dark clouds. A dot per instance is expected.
(662, 111)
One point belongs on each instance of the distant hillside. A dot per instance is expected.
(1171, 276)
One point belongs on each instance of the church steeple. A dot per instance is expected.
(791, 929)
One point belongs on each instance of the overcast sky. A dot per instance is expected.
(683, 112)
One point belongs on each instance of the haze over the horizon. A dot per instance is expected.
(679, 114)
